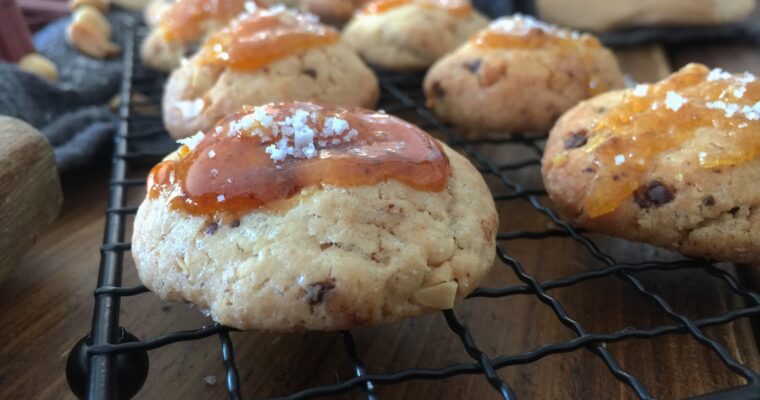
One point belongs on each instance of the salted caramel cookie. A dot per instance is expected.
(294, 216)
(616, 14)
(264, 56)
(334, 12)
(411, 34)
(673, 164)
(181, 25)
(519, 74)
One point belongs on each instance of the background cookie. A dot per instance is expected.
(519, 75)
(686, 182)
(613, 14)
(335, 12)
(198, 94)
(331, 258)
(182, 24)
(411, 35)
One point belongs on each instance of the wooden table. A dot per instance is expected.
(46, 306)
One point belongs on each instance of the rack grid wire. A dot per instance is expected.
(401, 93)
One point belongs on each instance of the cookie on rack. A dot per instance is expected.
(266, 55)
(674, 164)
(183, 24)
(292, 216)
(617, 14)
(411, 34)
(334, 12)
(519, 74)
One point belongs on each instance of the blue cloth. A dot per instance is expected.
(72, 112)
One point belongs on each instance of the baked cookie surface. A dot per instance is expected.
(358, 250)
(518, 75)
(293, 58)
(412, 34)
(672, 164)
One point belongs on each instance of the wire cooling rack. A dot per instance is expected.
(110, 363)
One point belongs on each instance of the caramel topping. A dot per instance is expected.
(520, 31)
(527, 33)
(264, 36)
(266, 154)
(184, 20)
(454, 7)
(656, 119)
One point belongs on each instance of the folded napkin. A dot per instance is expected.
(72, 112)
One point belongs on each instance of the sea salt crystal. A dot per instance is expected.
(752, 113)
(190, 108)
(250, 6)
(729, 109)
(220, 198)
(674, 101)
(641, 90)
(619, 159)
(739, 92)
(718, 74)
(211, 154)
(192, 141)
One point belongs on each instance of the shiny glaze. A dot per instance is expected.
(628, 139)
(263, 36)
(229, 172)
(184, 20)
(455, 7)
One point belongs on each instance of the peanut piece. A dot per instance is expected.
(90, 15)
(86, 38)
(440, 296)
(39, 65)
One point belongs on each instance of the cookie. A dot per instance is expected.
(411, 34)
(517, 75)
(616, 14)
(155, 10)
(674, 164)
(183, 24)
(296, 216)
(334, 12)
(293, 58)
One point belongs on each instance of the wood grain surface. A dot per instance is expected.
(46, 305)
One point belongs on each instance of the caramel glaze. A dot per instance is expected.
(454, 7)
(627, 140)
(184, 20)
(229, 172)
(526, 33)
(262, 37)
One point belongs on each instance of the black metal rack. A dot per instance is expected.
(111, 363)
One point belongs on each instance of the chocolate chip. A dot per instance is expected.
(438, 90)
(589, 170)
(473, 66)
(734, 211)
(211, 228)
(315, 293)
(709, 201)
(311, 72)
(235, 223)
(654, 193)
(576, 139)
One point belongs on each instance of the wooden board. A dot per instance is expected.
(46, 305)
